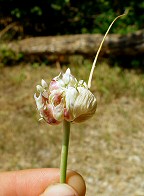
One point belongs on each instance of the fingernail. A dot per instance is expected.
(60, 190)
(77, 182)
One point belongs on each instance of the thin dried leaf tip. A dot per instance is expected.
(99, 49)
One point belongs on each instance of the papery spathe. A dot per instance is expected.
(65, 98)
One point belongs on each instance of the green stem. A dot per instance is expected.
(64, 151)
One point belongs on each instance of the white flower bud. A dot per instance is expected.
(44, 84)
(66, 98)
(39, 102)
(39, 88)
(68, 79)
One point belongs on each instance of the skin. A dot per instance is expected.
(36, 182)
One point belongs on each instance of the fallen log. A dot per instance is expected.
(85, 44)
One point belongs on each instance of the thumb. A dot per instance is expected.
(60, 190)
(75, 186)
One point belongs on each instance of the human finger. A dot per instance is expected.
(33, 182)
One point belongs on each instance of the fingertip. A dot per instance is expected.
(75, 186)
(60, 190)
(77, 182)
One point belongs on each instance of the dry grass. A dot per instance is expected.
(108, 150)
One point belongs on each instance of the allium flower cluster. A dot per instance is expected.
(65, 98)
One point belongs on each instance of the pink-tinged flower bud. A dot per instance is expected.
(65, 98)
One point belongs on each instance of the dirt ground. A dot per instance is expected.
(107, 150)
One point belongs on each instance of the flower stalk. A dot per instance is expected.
(64, 151)
(67, 100)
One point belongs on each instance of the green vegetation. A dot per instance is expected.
(53, 17)
(19, 19)
(9, 57)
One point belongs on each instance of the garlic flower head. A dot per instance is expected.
(65, 98)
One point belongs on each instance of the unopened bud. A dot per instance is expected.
(66, 98)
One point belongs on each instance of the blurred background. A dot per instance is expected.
(107, 150)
